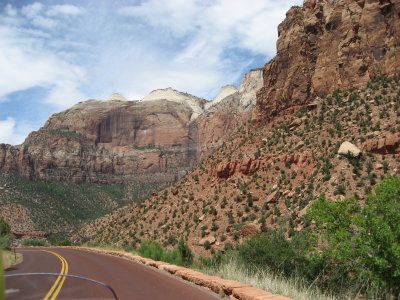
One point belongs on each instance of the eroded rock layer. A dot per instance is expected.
(327, 45)
(154, 140)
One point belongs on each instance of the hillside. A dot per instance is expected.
(266, 176)
(34, 207)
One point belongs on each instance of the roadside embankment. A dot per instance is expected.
(233, 289)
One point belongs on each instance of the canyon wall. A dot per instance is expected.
(327, 45)
(156, 139)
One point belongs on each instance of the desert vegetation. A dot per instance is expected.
(268, 175)
(350, 251)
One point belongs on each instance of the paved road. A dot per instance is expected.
(130, 280)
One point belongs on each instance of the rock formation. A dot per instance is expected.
(326, 45)
(349, 149)
(153, 140)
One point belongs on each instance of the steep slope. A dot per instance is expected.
(267, 176)
(326, 45)
(34, 207)
(231, 109)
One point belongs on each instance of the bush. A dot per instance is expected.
(34, 242)
(5, 228)
(181, 255)
(6, 242)
(6, 237)
(151, 249)
(271, 250)
(361, 244)
(185, 253)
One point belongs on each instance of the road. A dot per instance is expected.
(130, 280)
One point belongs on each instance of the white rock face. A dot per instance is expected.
(116, 96)
(226, 91)
(196, 104)
(251, 83)
(347, 148)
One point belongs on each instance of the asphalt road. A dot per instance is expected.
(129, 280)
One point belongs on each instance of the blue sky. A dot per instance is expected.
(54, 54)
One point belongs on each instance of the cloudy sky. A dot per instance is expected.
(54, 54)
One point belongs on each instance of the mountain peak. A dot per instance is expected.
(116, 96)
(166, 94)
(195, 103)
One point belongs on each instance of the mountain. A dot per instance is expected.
(333, 87)
(118, 151)
(115, 140)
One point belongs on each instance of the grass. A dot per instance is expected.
(10, 259)
(269, 281)
(293, 287)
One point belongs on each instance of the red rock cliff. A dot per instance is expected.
(154, 140)
(326, 45)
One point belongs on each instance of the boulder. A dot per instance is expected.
(249, 230)
(349, 149)
(211, 239)
(273, 197)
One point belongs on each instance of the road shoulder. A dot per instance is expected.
(233, 289)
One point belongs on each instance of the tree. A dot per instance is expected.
(361, 242)
(6, 236)
(5, 228)
(185, 252)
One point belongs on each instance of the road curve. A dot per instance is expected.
(130, 280)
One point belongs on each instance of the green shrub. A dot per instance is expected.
(360, 244)
(6, 242)
(151, 249)
(34, 242)
(181, 255)
(185, 253)
(5, 228)
(6, 237)
(271, 250)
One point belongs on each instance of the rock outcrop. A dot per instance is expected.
(327, 45)
(230, 110)
(245, 166)
(385, 145)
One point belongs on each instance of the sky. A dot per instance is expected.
(56, 53)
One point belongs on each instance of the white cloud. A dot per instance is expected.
(9, 133)
(208, 36)
(250, 24)
(65, 9)
(195, 46)
(26, 63)
(32, 10)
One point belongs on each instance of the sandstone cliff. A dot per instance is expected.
(326, 45)
(156, 139)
